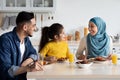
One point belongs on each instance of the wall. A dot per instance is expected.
(75, 14)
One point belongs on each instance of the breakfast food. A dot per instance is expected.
(61, 59)
(43, 62)
(99, 58)
(83, 62)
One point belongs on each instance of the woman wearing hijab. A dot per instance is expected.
(97, 42)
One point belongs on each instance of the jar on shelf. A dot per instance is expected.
(69, 37)
(77, 36)
(46, 3)
(10, 4)
(85, 31)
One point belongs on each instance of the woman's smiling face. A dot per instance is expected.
(92, 28)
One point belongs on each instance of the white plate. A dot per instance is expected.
(100, 62)
(84, 65)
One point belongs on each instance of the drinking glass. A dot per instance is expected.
(114, 58)
(71, 58)
(41, 58)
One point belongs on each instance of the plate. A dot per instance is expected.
(100, 62)
(84, 65)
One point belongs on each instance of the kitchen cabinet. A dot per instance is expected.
(27, 5)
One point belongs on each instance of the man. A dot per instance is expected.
(17, 55)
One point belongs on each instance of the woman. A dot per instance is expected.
(97, 42)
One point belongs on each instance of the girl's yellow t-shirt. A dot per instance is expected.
(56, 49)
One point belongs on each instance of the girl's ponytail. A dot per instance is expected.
(44, 37)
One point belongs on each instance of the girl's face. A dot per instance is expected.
(92, 28)
(60, 37)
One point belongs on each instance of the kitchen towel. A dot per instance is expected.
(1, 19)
(12, 20)
(5, 23)
(8, 21)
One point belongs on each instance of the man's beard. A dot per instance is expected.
(28, 34)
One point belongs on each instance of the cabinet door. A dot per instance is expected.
(0, 5)
(27, 5)
(43, 5)
(14, 5)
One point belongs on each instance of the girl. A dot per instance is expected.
(97, 43)
(53, 45)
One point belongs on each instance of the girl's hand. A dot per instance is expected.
(61, 59)
(51, 59)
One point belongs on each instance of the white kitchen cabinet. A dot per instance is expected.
(27, 5)
(0, 5)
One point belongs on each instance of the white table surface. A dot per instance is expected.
(68, 71)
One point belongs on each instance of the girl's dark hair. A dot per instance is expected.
(49, 33)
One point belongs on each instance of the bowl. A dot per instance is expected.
(84, 65)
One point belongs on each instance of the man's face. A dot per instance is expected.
(31, 27)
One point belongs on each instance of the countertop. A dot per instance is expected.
(70, 43)
(65, 70)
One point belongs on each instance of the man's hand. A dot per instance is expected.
(36, 66)
(27, 61)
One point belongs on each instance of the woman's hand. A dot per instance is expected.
(109, 57)
(82, 57)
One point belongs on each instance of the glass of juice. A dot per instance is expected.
(71, 58)
(114, 58)
(41, 58)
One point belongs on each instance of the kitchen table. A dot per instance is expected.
(66, 71)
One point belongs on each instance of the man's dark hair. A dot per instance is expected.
(24, 17)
